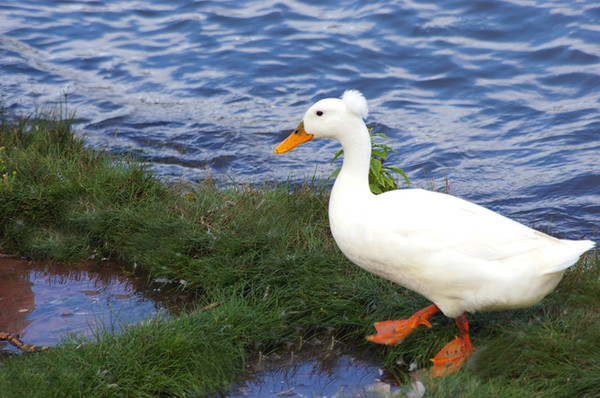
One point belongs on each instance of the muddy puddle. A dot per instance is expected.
(43, 303)
(323, 371)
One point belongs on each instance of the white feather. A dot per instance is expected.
(356, 102)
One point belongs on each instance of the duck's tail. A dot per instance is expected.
(566, 254)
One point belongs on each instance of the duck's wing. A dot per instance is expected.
(463, 230)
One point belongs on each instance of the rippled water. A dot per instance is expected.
(501, 97)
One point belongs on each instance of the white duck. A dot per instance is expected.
(457, 254)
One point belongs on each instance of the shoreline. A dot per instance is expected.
(266, 255)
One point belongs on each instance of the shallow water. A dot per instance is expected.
(45, 303)
(345, 375)
(501, 97)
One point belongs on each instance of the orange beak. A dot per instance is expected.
(298, 137)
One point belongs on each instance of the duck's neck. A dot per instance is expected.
(354, 175)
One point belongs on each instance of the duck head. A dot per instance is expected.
(328, 118)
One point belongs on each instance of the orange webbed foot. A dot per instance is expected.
(451, 357)
(455, 353)
(390, 332)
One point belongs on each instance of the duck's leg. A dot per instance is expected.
(390, 332)
(455, 353)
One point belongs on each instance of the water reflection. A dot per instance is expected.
(326, 369)
(16, 299)
(45, 302)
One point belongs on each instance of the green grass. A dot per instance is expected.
(266, 255)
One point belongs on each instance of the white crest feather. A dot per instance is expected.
(356, 102)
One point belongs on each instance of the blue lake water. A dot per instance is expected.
(500, 97)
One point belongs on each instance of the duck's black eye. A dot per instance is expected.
(319, 113)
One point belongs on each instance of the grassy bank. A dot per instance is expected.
(266, 255)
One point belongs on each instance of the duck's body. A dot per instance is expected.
(457, 254)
